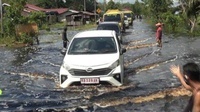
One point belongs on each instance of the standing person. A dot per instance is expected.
(99, 20)
(159, 34)
(190, 79)
(140, 17)
(64, 37)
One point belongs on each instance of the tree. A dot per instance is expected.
(158, 7)
(137, 9)
(191, 10)
(13, 16)
(111, 5)
(127, 6)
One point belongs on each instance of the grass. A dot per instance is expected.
(82, 27)
(179, 31)
(7, 41)
(10, 41)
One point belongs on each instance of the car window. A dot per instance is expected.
(96, 45)
(114, 17)
(128, 14)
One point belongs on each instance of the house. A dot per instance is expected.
(89, 16)
(53, 15)
(60, 12)
(71, 17)
(75, 18)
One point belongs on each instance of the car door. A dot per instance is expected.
(121, 60)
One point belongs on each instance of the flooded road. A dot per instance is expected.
(29, 76)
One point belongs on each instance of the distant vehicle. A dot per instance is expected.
(126, 22)
(93, 57)
(115, 15)
(111, 26)
(129, 15)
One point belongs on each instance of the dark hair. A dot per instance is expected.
(192, 71)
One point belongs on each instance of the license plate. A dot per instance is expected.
(89, 80)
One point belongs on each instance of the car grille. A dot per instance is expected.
(80, 72)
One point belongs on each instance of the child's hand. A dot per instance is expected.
(175, 70)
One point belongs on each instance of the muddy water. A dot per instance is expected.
(29, 76)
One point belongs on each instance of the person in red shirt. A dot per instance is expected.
(159, 34)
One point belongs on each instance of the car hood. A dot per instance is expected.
(91, 60)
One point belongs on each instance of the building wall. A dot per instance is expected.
(62, 17)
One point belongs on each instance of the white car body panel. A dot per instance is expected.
(83, 62)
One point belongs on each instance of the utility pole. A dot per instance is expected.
(84, 6)
(1, 8)
(95, 10)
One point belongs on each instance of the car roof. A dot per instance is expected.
(111, 22)
(95, 33)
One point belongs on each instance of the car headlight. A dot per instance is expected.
(66, 66)
(114, 65)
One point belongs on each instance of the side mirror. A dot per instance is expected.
(123, 50)
(63, 51)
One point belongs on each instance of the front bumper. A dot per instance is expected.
(70, 79)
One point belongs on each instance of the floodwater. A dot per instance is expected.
(29, 76)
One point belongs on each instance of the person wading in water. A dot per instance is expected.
(64, 37)
(159, 34)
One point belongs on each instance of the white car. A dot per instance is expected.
(93, 57)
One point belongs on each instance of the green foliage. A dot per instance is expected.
(24, 38)
(191, 10)
(127, 6)
(137, 8)
(7, 41)
(172, 22)
(111, 5)
(13, 16)
(159, 7)
(37, 17)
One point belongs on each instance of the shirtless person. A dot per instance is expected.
(190, 79)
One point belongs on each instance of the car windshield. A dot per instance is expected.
(108, 27)
(90, 45)
(112, 18)
(127, 14)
